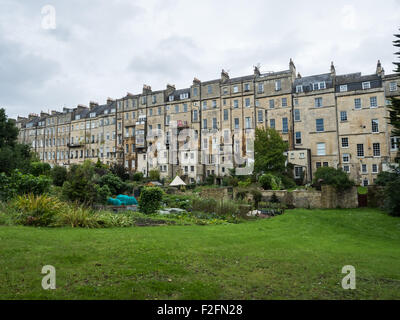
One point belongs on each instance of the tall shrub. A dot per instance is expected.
(150, 199)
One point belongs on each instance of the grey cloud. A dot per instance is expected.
(108, 47)
(170, 58)
(22, 73)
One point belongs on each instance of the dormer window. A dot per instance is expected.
(184, 96)
(93, 114)
(343, 88)
(319, 85)
(171, 98)
(299, 89)
(366, 85)
(113, 110)
(78, 117)
(278, 85)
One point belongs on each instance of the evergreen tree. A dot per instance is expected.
(395, 102)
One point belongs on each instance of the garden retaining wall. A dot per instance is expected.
(327, 198)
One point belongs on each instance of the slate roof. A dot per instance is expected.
(307, 82)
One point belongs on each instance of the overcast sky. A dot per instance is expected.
(110, 47)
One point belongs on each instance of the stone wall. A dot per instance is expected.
(327, 198)
(214, 193)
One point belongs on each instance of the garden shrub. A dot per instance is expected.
(270, 182)
(204, 205)
(112, 220)
(289, 183)
(272, 209)
(178, 201)
(230, 181)
(36, 210)
(274, 198)
(385, 177)
(244, 184)
(150, 199)
(78, 217)
(39, 168)
(137, 176)
(154, 175)
(257, 196)
(18, 183)
(59, 175)
(241, 194)
(114, 183)
(333, 177)
(209, 181)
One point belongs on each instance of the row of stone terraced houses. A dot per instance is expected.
(327, 119)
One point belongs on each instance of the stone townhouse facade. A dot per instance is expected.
(208, 128)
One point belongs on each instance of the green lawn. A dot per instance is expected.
(295, 256)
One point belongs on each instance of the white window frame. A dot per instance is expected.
(356, 106)
(321, 151)
(377, 125)
(393, 86)
(278, 85)
(374, 98)
(343, 88)
(366, 85)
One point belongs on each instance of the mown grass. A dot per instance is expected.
(299, 255)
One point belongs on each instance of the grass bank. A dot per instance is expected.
(295, 256)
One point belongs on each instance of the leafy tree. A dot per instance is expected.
(209, 180)
(38, 168)
(333, 177)
(113, 182)
(12, 154)
(269, 149)
(138, 176)
(120, 171)
(8, 131)
(154, 175)
(19, 183)
(385, 177)
(150, 199)
(59, 175)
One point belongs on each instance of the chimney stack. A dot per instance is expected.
(333, 70)
(292, 67)
(93, 104)
(146, 89)
(379, 69)
(224, 76)
(196, 81)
